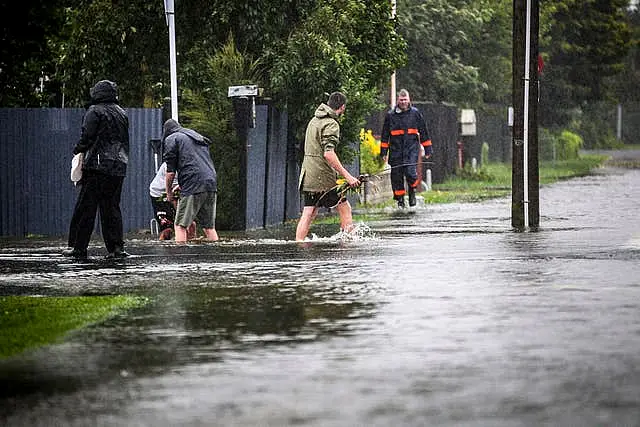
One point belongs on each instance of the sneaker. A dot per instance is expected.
(117, 253)
(412, 198)
(75, 253)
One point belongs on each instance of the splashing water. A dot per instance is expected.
(358, 233)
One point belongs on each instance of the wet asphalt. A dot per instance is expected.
(441, 316)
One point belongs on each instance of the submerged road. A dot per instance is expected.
(440, 317)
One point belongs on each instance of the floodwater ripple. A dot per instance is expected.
(446, 317)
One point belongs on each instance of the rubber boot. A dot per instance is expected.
(412, 196)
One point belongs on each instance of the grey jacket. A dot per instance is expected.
(187, 153)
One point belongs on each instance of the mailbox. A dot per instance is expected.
(467, 122)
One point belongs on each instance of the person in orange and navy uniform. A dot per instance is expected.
(404, 132)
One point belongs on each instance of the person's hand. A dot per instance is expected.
(384, 159)
(428, 152)
(353, 181)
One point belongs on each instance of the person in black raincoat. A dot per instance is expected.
(104, 140)
(403, 133)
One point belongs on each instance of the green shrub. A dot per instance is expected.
(562, 145)
(480, 174)
(569, 145)
(210, 111)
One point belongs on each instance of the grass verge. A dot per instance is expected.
(28, 321)
(494, 180)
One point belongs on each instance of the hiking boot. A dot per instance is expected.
(74, 253)
(117, 254)
(412, 197)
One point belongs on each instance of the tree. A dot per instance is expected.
(625, 86)
(105, 39)
(587, 43)
(442, 36)
(29, 32)
(347, 45)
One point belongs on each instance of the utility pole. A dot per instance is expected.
(525, 190)
(171, 22)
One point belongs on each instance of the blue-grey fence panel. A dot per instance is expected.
(35, 160)
(493, 128)
(276, 168)
(144, 124)
(35, 152)
(442, 121)
(293, 173)
(50, 195)
(12, 137)
(256, 167)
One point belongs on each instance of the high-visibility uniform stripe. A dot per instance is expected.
(399, 193)
(384, 145)
(410, 131)
(415, 183)
(426, 143)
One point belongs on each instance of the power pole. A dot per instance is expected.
(525, 190)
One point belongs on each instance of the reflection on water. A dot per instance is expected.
(438, 316)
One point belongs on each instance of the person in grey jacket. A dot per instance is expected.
(104, 140)
(186, 153)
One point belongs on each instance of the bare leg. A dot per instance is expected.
(346, 220)
(211, 234)
(192, 231)
(181, 234)
(307, 217)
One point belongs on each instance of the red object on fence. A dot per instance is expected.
(460, 150)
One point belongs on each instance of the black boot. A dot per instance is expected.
(75, 253)
(400, 200)
(412, 197)
(118, 252)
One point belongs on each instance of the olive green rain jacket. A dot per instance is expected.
(323, 134)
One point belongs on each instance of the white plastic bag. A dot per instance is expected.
(76, 168)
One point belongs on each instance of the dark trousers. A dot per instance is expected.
(398, 175)
(98, 191)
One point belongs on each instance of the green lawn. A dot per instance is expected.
(27, 321)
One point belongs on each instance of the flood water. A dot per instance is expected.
(440, 317)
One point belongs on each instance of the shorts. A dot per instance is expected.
(324, 199)
(200, 208)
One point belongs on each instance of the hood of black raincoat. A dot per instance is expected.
(104, 91)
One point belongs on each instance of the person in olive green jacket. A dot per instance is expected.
(321, 167)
